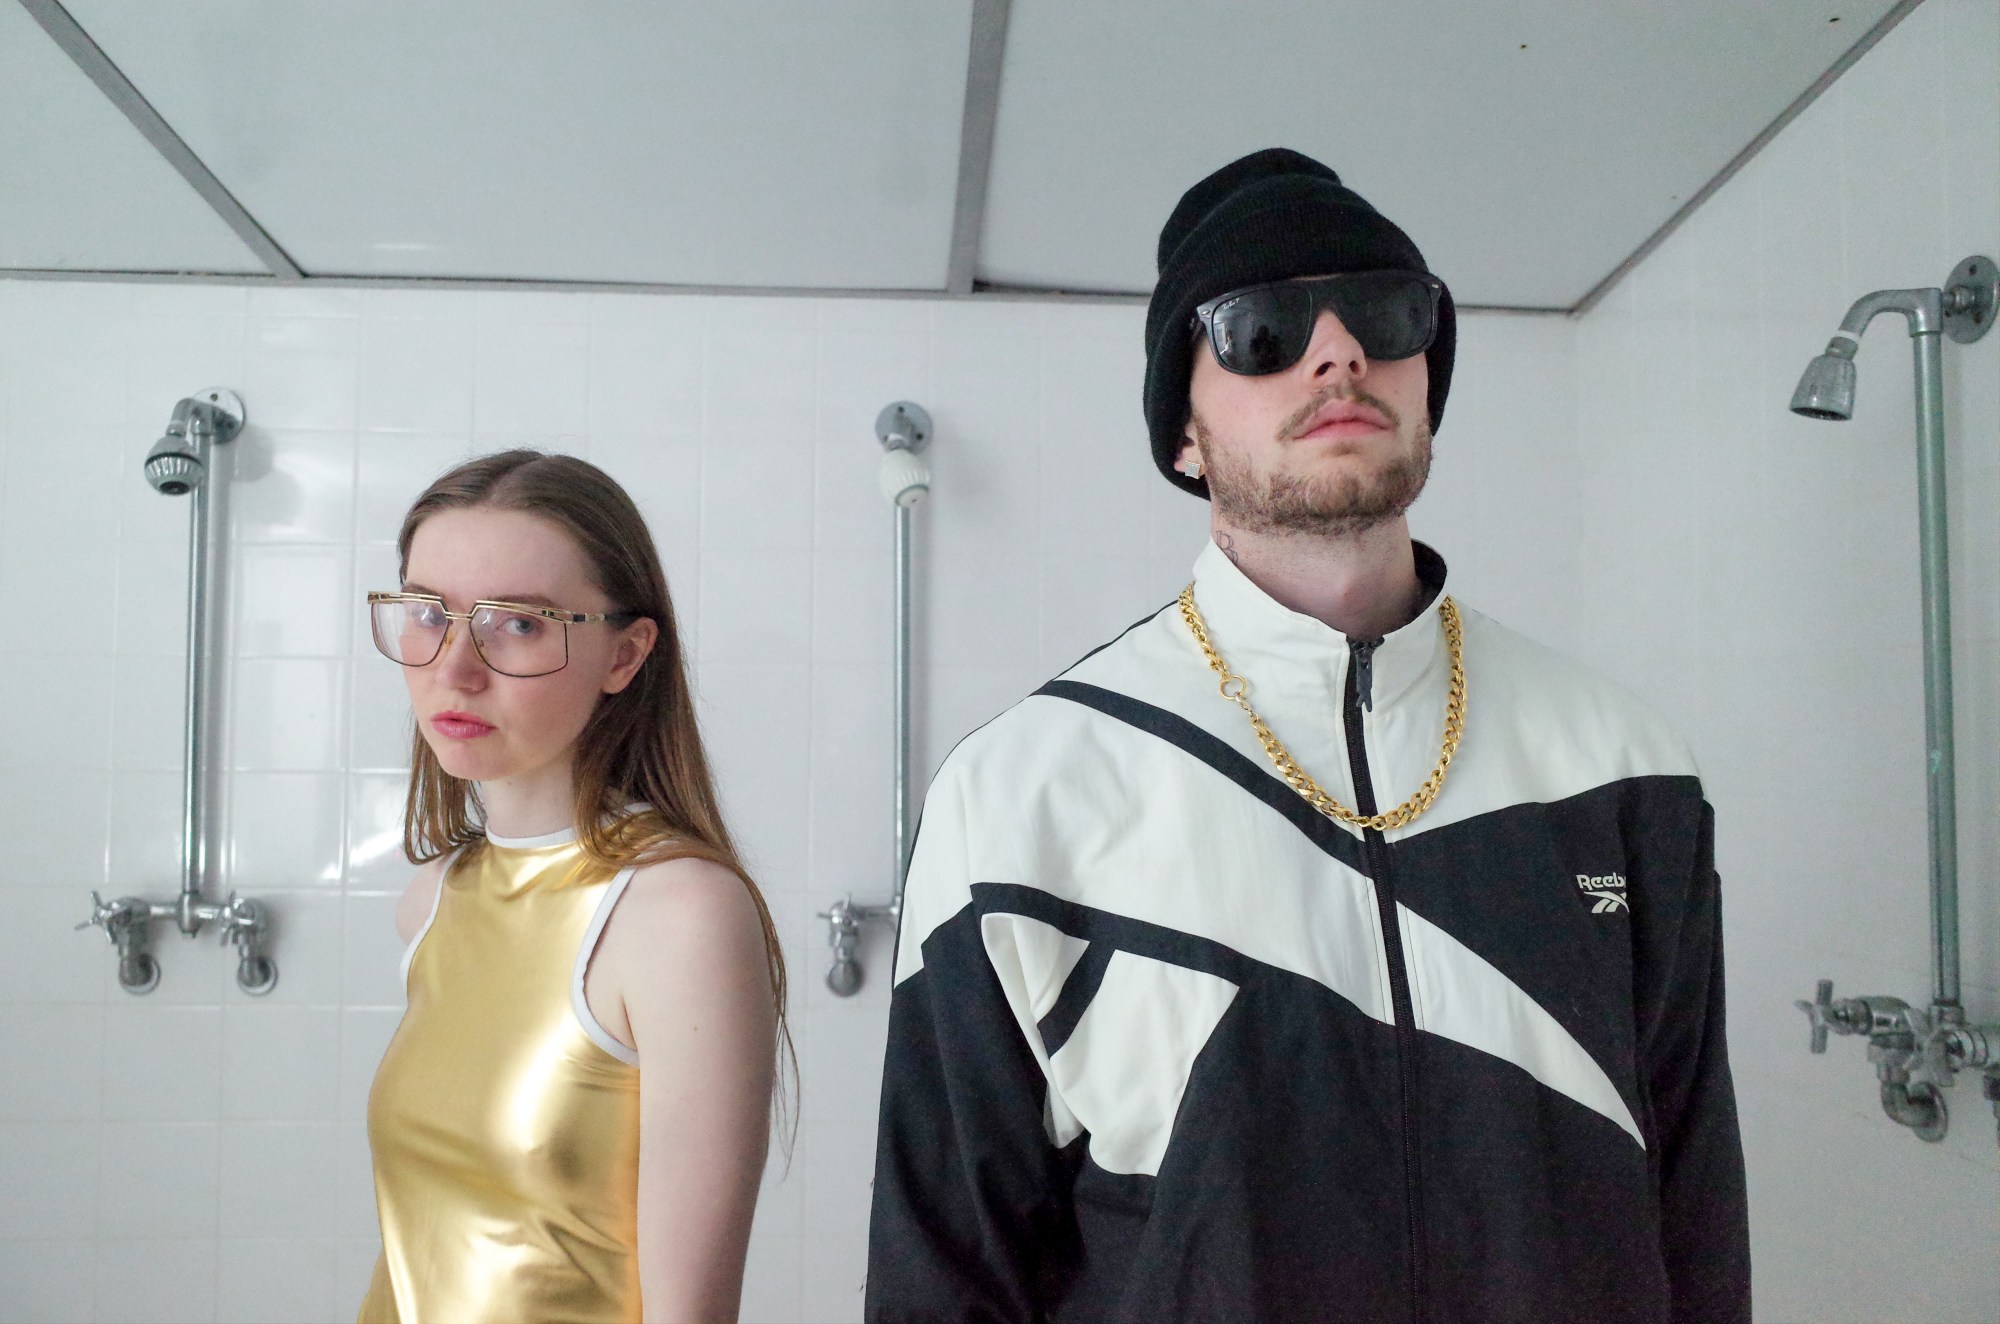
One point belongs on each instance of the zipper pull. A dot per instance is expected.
(1363, 653)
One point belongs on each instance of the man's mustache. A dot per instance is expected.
(1295, 425)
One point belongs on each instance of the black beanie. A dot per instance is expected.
(1272, 215)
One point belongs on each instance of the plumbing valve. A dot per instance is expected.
(1916, 1051)
(246, 924)
(126, 923)
(1847, 1016)
(843, 934)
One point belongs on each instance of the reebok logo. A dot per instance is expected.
(1608, 891)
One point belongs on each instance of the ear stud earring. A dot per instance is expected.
(1192, 468)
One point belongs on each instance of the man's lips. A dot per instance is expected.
(460, 726)
(1342, 418)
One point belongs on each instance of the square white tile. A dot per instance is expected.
(280, 1179)
(48, 1281)
(280, 1064)
(290, 486)
(267, 1281)
(162, 1063)
(54, 1057)
(416, 375)
(285, 830)
(158, 1179)
(293, 601)
(287, 714)
(51, 1179)
(153, 1281)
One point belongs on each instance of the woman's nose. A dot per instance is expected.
(458, 662)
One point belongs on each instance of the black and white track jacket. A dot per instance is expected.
(1166, 1044)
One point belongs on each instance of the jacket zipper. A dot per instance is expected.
(1361, 654)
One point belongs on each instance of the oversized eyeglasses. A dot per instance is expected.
(513, 638)
(1263, 329)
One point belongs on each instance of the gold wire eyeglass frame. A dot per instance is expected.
(562, 618)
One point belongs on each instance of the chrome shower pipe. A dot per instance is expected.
(183, 463)
(1936, 1041)
(201, 430)
(904, 430)
(1923, 310)
(900, 720)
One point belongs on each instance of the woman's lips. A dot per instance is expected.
(460, 726)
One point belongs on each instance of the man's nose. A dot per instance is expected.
(1333, 353)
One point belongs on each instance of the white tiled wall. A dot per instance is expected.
(1628, 487)
(196, 1154)
(1755, 573)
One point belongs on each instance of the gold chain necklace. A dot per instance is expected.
(1237, 690)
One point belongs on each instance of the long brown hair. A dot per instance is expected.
(641, 745)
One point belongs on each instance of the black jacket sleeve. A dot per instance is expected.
(1704, 1220)
(971, 1216)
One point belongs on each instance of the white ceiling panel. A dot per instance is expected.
(755, 142)
(1528, 146)
(80, 189)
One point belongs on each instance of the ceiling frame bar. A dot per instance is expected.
(1701, 195)
(67, 33)
(975, 140)
(982, 293)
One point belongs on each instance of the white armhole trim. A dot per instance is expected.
(410, 952)
(600, 1036)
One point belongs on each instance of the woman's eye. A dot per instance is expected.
(427, 615)
(520, 627)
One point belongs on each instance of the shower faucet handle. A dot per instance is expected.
(1820, 1012)
(112, 915)
(101, 913)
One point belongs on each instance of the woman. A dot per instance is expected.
(572, 1118)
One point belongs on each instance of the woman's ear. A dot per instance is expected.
(635, 644)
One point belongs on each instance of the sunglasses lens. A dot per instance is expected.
(1262, 330)
(1392, 313)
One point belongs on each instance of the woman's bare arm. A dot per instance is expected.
(681, 976)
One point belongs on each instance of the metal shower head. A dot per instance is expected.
(1826, 389)
(1963, 308)
(904, 429)
(178, 462)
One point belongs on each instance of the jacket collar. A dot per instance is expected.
(1289, 657)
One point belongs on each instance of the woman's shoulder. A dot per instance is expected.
(684, 901)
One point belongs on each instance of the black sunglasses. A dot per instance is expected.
(1266, 328)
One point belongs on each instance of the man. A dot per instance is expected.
(1382, 984)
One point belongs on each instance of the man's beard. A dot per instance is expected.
(1331, 505)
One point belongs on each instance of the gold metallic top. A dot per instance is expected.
(504, 1119)
(1237, 690)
